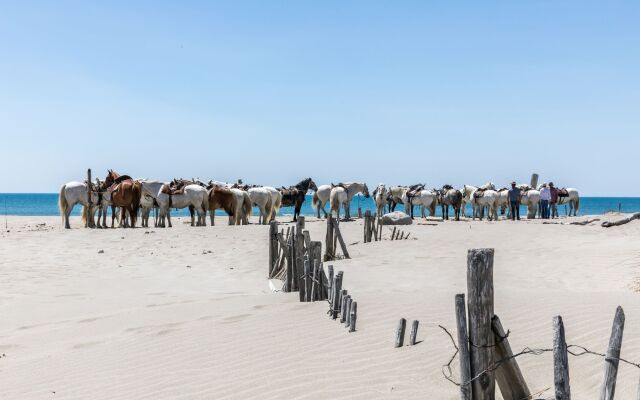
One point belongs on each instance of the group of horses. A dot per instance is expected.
(484, 199)
(141, 196)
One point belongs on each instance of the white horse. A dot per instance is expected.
(276, 202)
(73, 193)
(243, 208)
(320, 198)
(573, 200)
(380, 198)
(195, 197)
(149, 193)
(488, 200)
(467, 197)
(530, 198)
(343, 194)
(396, 193)
(503, 203)
(262, 198)
(425, 199)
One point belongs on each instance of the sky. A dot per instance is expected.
(273, 92)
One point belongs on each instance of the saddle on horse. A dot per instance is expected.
(414, 190)
(118, 181)
(174, 187)
(479, 193)
(563, 193)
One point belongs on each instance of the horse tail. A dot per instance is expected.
(136, 190)
(85, 213)
(315, 201)
(205, 202)
(277, 203)
(269, 209)
(62, 202)
(247, 207)
(577, 205)
(333, 201)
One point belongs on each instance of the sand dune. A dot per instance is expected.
(186, 313)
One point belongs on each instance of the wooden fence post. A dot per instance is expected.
(353, 316)
(508, 375)
(480, 308)
(273, 247)
(463, 346)
(402, 325)
(343, 305)
(414, 332)
(347, 312)
(337, 289)
(307, 280)
(560, 361)
(613, 355)
(330, 283)
(367, 226)
(329, 250)
(314, 281)
(343, 245)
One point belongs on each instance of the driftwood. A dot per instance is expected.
(609, 224)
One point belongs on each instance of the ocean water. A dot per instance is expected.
(46, 204)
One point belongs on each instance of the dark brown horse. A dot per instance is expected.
(296, 194)
(221, 198)
(449, 196)
(125, 193)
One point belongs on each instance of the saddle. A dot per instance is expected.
(479, 193)
(563, 193)
(414, 190)
(173, 188)
(119, 181)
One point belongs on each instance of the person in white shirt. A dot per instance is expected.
(545, 196)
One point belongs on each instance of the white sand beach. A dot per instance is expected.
(187, 313)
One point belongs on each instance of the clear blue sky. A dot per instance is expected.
(272, 92)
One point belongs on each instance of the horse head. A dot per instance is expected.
(365, 191)
(312, 185)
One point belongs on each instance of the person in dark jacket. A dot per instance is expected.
(553, 202)
(514, 201)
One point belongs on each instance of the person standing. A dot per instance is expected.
(545, 196)
(553, 202)
(514, 201)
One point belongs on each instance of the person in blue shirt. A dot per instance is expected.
(514, 201)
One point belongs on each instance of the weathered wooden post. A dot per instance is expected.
(414, 332)
(367, 226)
(534, 180)
(613, 356)
(330, 283)
(314, 280)
(463, 346)
(337, 289)
(90, 223)
(560, 361)
(293, 256)
(343, 306)
(338, 235)
(307, 279)
(402, 325)
(508, 375)
(329, 250)
(347, 312)
(480, 308)
(273, 247)
(353, 317)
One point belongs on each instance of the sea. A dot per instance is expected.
(46, 204)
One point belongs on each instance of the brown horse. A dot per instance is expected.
(125, 193)
(221, 198)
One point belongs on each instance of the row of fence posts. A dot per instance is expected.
(372, 227)
(296, 259)
(484, 351)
